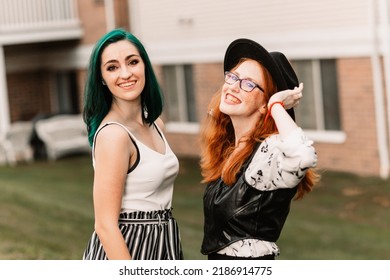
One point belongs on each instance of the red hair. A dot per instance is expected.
(219, 155)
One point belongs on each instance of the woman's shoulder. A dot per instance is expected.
(112, 132)
(159, 122)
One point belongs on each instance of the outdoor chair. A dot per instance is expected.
(62, 135)
(15, 144)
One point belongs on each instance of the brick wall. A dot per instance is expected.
(359, 153)
(121, 14)
(29, 94)
(93, 20)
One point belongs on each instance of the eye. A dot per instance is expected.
(111, 68)
(133, 62)
(234, 77)
(249, 84)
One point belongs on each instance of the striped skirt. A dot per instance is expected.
(150, 235)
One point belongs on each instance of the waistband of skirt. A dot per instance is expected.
(147, 217)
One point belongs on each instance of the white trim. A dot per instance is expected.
(16, 38)
(135, 22)
(386, 58)
(181, 127)
(329, 137)
(4, 104)
(379, 96)
(110, 14)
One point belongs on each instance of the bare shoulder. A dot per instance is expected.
(160, 123)
(113, 136)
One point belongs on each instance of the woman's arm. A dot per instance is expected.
(281, 163)
(283, 121)
(112, 154)
(282, 160)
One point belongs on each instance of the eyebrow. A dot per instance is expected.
(114, 60)
(245, 78)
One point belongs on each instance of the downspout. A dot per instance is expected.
(110, 14)
(379, 96)
(386, 58)
(4, 104)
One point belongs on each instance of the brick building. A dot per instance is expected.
(340, 50)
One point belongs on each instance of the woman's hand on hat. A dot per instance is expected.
(289, 97)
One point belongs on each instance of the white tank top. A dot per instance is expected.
(149, 184)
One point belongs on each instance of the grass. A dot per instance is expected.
(46, 213)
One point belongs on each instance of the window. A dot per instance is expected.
(66, 99)
(179, 93)
(319, 108)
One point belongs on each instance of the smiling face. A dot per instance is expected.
(123, 71)
(236, 102)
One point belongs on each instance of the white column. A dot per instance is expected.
(379, 93)
(385, 16)
(4, 105)
(110, 14)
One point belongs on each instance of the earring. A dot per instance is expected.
(145, 111)
(103, 83)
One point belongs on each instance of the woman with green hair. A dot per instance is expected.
(134, 167)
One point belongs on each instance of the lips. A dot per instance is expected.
(127, 85)
(231, 99)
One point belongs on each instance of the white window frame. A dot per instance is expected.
(321, 134)
(183, 125)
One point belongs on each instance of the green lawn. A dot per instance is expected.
(46, 213)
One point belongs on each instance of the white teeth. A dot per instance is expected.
(232, 98)
(127, 84)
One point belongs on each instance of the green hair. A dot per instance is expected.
(98, 98)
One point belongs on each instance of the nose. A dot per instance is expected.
(235, 86)
(125, 72)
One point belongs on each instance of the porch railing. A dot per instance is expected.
(35, 15)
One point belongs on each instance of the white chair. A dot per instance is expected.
(62, 135)
(3, 149)
(16, 143)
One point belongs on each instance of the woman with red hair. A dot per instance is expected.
(255, 159)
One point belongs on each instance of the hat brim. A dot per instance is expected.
(246, 48)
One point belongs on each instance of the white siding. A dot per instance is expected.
(199, 30)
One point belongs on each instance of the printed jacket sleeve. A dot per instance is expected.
(281, 163)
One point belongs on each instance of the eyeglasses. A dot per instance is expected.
(245, 84)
